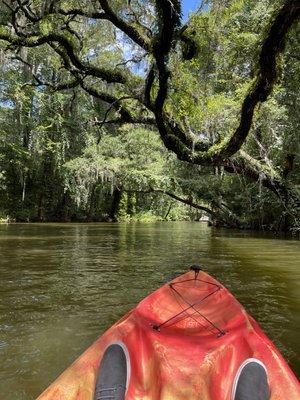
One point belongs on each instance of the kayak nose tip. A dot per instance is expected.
(196, 268)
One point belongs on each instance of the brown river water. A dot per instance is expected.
(62, 285)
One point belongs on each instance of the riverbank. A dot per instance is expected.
(150, 218)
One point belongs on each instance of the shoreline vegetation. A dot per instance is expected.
(139, 217)
(150, 218)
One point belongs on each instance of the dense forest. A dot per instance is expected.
(121, 110)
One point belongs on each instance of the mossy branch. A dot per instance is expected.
(128, 29)
(168, 21)
(179, 142)
(266, 77)
(232, 222)
(109, 75)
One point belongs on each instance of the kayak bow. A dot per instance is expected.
(190, 339)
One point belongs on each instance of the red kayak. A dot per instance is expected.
(190, 339)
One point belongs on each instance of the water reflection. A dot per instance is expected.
(64, 284)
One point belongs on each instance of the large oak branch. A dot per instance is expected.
(109, 75)
(179, 141)
(265, 79)
(125, 27)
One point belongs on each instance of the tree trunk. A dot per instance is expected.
(168, 211)
(90, 212)
(63, 208)
(116, 200)
(41, 208)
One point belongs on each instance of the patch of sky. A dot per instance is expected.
(133, 59)
(7, 104)
(189, 6)
(4, 101)
(140, 68)
(129, 49)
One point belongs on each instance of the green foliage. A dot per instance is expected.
(53, 168)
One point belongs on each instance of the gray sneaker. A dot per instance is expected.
(251, 381)
(113, 374)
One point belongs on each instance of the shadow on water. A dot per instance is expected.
(62, 285)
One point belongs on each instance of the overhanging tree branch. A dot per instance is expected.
(133, 121)
(82, 13)
(128, 29)
(109, 75)
(241, 167)
(217, 216)
(265, 79)
(188, 202)
(175, 137)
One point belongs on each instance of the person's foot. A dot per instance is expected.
(112, 376)
(251, 381)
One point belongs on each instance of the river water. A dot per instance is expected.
(62, 285)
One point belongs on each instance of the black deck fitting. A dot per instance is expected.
(195, 267)
(156, 328)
